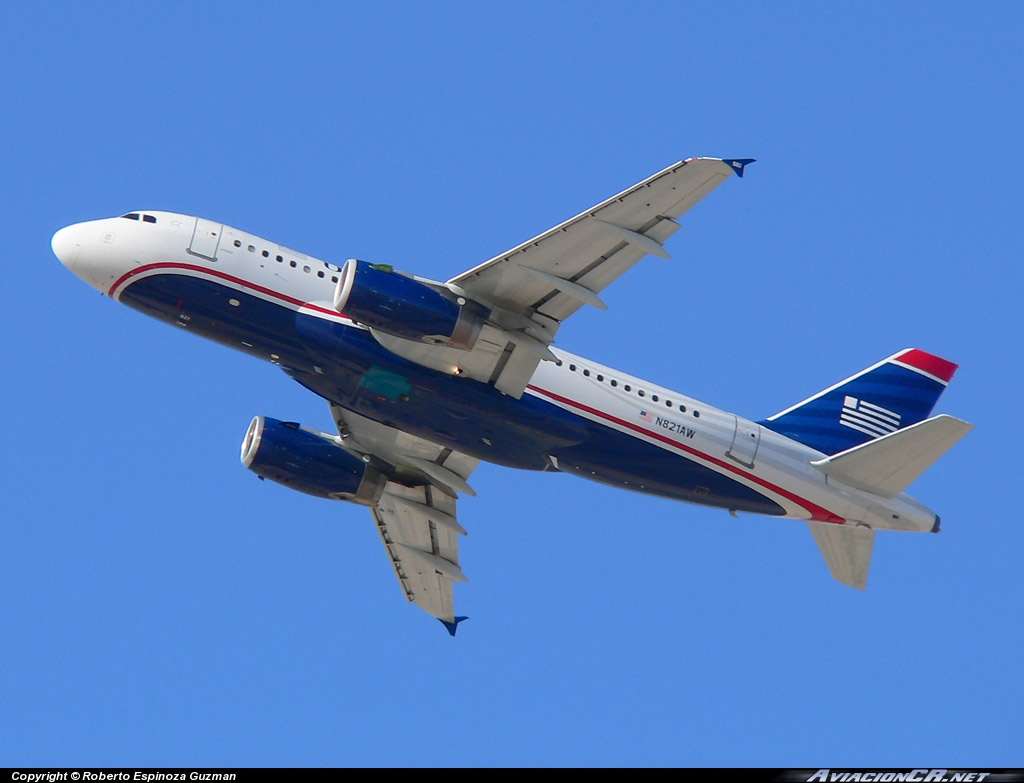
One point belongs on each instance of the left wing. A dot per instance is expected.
(530, 289)
(420, 533)
(416, 515)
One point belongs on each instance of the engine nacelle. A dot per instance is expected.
(377, 296)
(310, 462)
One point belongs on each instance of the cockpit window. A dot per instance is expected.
(149, 219)
(131, 216)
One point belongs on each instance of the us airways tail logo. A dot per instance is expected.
(872, 420)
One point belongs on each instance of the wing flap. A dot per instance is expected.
(366, 436)
(498, 358)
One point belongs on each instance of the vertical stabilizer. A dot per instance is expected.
(895, 393)
(847, 550)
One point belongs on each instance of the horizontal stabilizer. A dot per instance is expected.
(847, 550)
(888, 465)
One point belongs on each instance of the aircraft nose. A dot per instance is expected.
(66, 246)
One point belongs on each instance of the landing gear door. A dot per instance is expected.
(205, 239)
(745, 440)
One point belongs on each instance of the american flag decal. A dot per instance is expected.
(870, 419)
(647, 416)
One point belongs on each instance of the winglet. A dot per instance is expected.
(452, 625)
(738, 164)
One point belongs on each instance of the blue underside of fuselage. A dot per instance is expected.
(348, 367)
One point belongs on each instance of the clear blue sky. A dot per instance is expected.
(159, 605)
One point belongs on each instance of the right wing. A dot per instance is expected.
(532, 288)
(416, 515)
(551, 276)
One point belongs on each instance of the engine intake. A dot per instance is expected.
(310, 462)
(379, 297)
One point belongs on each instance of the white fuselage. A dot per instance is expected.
(113, 254)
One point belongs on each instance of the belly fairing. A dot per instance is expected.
(472, 417)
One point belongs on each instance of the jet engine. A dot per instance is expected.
(377, 296)
(309, 461)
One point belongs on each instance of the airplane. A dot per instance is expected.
(426, 379)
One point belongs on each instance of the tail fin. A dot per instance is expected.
(847, 551)
(888, 396)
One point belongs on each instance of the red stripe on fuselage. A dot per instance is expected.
(223, 276)
(817, 512)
